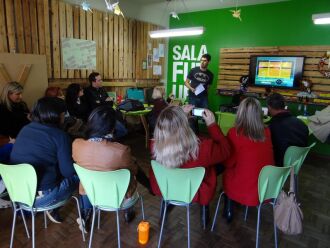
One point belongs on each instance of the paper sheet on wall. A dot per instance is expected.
(78, 54)
(157, 70)
(161, 52)
(155, 55)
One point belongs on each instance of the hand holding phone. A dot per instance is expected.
(198, 112)
(208, 117)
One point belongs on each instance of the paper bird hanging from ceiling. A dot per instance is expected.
(114, 7)
(236, 14)
(174, 15)
(86, 6)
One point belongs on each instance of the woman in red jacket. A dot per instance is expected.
(252, 150)
(176, 145)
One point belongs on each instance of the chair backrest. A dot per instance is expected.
(136, 94)
(178, 184)
(226, 121)
(271, 180)
(20, 181)
(104, 188)
(295, 156)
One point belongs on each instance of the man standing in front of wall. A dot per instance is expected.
(198, 81)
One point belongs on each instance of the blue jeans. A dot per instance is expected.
(198, 101)
(85, 206)
(120, 130)
(60, 193)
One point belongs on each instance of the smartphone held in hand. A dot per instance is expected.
(198, 112)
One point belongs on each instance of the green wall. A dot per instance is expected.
(277, 24)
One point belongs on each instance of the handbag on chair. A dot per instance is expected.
(288, 215)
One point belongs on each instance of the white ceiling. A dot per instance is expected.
(154, 11)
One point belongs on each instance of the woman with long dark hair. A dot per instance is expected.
(98, 151)
(76, 103)
(45, 146)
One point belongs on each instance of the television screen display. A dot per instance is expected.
(276, 71)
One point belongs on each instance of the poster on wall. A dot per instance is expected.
(155, 55)
(157, 70)
(161, 52)
(78, 54)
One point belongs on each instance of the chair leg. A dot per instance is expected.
(45, 219)
(161, 206)
(258, 226)
(13, 226)
(275, 229)
(204, 220)
(79, 213)
(98, 219)
(142, 207)
(216, 211)
(118, 228)
(33, 230)
(161, 229)
(25, 225)
(188, 224)
(92, 229)
(246, 213)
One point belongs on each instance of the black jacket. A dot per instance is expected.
(13, 121)
(287, 130)
(96, 97)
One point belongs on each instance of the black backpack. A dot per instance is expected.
(130, 105)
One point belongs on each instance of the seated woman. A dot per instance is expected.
(177, 146)
(75, 102)
(252, 149)
(99, 152)
(159, 104)
(14, 112)
(48, 149)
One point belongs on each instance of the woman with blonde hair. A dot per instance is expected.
(13, 111)
(159, 104)
(177, 146)
(252, 150)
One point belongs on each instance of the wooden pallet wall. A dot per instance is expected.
(37, 26)
(234, 63)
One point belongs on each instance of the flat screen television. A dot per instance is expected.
(276, 71)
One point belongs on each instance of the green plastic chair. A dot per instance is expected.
(270, 183)
(296, 156)
(226, 121)
(178, 187)
(21, 184)
(106, 191)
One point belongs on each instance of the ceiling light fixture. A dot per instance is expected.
(323, 18)
(176, 32)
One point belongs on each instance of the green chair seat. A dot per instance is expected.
(296, 156)
(270, 183)
(21, 184)
(178, 187)
(106, 191)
